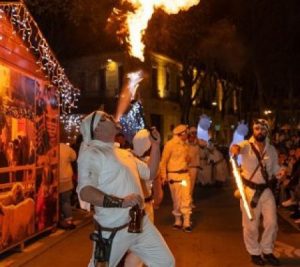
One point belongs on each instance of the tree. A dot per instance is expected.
(207, 50)
(269, 30)
(74, 27)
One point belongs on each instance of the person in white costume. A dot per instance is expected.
(141, 144)
(66, 156)
(194, 163)
(218, 165)
(259, 162)
(174, 170)
(109, 179)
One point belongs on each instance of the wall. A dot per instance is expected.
(29, 116)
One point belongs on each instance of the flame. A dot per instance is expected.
(134, 80)
(128, 92)
(137, 21)
(240, 186)
(183, 183)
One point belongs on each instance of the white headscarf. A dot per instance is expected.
(85, 130)
(85, 127)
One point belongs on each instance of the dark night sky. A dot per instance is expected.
(267, 29)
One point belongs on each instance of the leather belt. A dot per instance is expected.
(196, 167)
(253, 185)
(107, 229)
(179, 171)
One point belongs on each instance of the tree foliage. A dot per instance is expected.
(207, 50)
(74, 27)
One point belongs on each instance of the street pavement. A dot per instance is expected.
(216, 239)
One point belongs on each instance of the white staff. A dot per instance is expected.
(240, 187)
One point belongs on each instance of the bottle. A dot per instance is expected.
(136, 224)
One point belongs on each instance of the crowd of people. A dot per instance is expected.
(288, 193)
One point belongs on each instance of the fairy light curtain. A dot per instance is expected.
(24, 24)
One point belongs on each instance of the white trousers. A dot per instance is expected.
(266, 208)
(193, 176)
(149, 246)
(131, 259)
(181, 196)
(205, 175)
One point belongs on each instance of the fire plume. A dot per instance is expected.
(136, 20)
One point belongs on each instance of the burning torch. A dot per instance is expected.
(240, 187)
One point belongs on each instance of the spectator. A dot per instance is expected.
(66, 156)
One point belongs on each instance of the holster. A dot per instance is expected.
(259, 189)
(103, 245)
(256, 197)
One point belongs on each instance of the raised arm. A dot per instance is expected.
(154, 159)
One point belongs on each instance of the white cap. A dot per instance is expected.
(141, 142)
(180, 129)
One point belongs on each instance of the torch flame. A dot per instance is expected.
(183, 183)
(128, 92)
(134, 80)
(137, 21)
(240, 187)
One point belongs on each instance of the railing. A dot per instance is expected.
(24, 174)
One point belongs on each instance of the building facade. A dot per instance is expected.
(100, 78)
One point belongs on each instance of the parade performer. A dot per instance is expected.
(174, 170)
(141, 145)
(218, 165)
(259, 162)
(194, 163)
(109, 179)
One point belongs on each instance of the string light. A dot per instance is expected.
(28, 30)
(133, 121)
(71, 124)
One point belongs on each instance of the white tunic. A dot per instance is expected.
(249, 161)
(113, 171)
